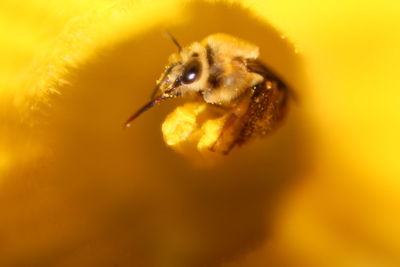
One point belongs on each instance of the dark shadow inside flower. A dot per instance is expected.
(126, 193)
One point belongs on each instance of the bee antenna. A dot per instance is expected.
(172, 38)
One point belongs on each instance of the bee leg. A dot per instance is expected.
(227, 135)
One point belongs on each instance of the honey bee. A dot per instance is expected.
(225, 72)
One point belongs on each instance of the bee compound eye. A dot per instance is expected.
(191, 72)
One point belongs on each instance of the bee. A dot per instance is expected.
(225, 72)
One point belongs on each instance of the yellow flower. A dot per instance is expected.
(78, 190)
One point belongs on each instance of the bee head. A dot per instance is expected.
(186, 72)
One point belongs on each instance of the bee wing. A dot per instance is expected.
(260, 68)
(265, 108)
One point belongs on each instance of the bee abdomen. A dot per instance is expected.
(266, 110)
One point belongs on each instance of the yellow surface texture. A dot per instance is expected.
(76, 189)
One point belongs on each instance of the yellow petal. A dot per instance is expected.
(77, 190)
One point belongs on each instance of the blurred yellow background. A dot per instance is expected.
(77, 190)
